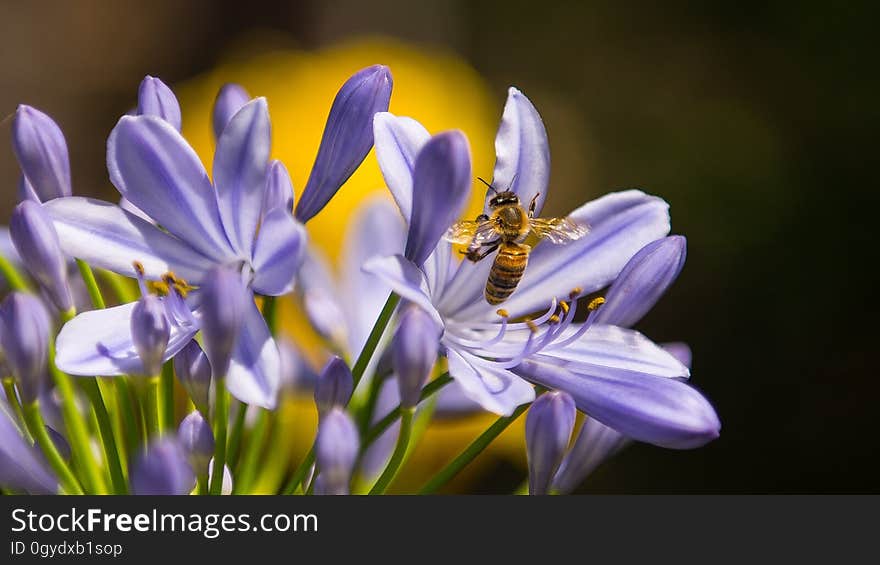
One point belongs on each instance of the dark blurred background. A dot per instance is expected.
(756, 121)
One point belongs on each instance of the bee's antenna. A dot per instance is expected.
(513, 180)
(495, 190)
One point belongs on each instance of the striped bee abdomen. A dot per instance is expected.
(507, 270)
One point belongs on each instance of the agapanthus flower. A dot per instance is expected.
(204, 225)
(21, 467)
(614, 373)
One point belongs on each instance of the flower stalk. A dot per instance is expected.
(37, 428)
(390, 472)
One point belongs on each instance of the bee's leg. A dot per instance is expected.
(533, 204)
(480, 252)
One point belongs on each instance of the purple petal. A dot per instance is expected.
(42, 154)
(156, 99)
(610, 350)
(348, 137)
(37, 243)
(240, 165)
(21, 467)
(254, 375)
(414, 352)
(680, 350)
(230, 99)
(224, 300)
(497, 390)
(405, 279)
(278, 252)
(522, 154)
(132, 209)
(595, 443)
(162, 470)
(549, 424)
(398, 141)
(657, 410)
(26, 190)
(621, 224)
(106, 236)
(24, 341)
(321, 299)
(441, 185)
(336, 451)
(643, 281)
(156, 169)
(376, 230)
(279, 189)
(453, 403)
(99, 342)
(334, 386)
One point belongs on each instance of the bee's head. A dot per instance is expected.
(505, 198)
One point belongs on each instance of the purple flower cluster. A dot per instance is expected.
(206, 251)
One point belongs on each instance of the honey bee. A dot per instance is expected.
(507, 229)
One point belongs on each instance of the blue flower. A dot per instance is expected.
(613, 373)
(205, 225)
(21, 466)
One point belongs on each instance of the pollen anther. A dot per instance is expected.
(502, 312)
(595, 303)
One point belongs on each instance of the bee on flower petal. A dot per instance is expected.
(506, 230)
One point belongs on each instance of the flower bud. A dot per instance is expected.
(162, 470)
(414, 353)
(150, 332)
(194, 372)
(230, 99)
(334, 387)
(156, 99)
(336, 451)
(197, 439)
(595, 443)
(224, 299)
(36, 241)
(279, 188)
(42, 154)
(643, 280)
(21, 466)
(348, 137)
(548, 431)
(24, 336)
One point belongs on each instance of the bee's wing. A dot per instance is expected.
(558, 230)
(472, 232)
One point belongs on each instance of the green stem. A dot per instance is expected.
(105, 426)
(80, 442)
(91, 284)
(245, 477)
(471, 452)
(365, 414)
(38, 430)
(233, 448)
(153, 408)
(12, 397)
(406, 420)
(166, 396)
(270, 313)
(377, 430)
(12, 276)
(119, 284)
(360, 366)
(221, 420)
(300, 473)
(124, 404)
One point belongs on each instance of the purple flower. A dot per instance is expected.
(150, 331)
(230, 98)
(24, 337)
(414, 353)
(203, 226)
(197, 440)
(548, 431)
(348, 137)
(224, 303)
(42, 154)
(21, 466)
(162, 470)
(37, 244)
(334, 386)
(614, 374)
(336, 450)
(156, 99)
(194, 373)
